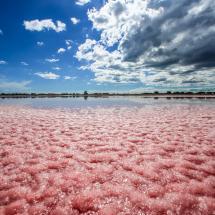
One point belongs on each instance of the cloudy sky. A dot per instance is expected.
(112, 45)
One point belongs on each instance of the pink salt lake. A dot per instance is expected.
(107, 160)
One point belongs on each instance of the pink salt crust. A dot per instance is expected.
(107, 161)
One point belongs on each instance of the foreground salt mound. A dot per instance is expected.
(107, 161)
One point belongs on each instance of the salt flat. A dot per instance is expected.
(107, 160)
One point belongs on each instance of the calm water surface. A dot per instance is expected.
(103, 102)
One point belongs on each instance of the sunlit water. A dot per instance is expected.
(82, 102)
(107, 156)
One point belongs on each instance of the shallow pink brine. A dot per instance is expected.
(107, 161)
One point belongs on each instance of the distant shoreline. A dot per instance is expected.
(202, 95)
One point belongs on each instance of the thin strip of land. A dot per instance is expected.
(104, 95)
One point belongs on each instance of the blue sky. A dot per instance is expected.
(97, 45)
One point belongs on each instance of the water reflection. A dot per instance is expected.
(86, 101)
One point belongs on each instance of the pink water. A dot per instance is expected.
(107, 161)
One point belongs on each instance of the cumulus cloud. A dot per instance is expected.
(56, 68)
(69, 78)
(39, 43)
(3, 62)
(14, 86)
(52, 60)
(75, 21)
(61, 50)
(24, 63)
(48, 75)
(45, 24)
(68, 44)
(82, 2)
(153, 42)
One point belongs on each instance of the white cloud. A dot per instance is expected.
(61, 50)
(2, 62)
(14, 86)
(40, 43)
(56, 68)
(69, 78)
(75, 21)
(68, 44)
(85, 50)
(46, 24)
(53, 60)
(117, 18)
(153, 42)
(48, 75)
(24, 63)
(1, 32)
(82, 2)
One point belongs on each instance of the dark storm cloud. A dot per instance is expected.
(191, 82)
(184, 34)
(155, 42)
